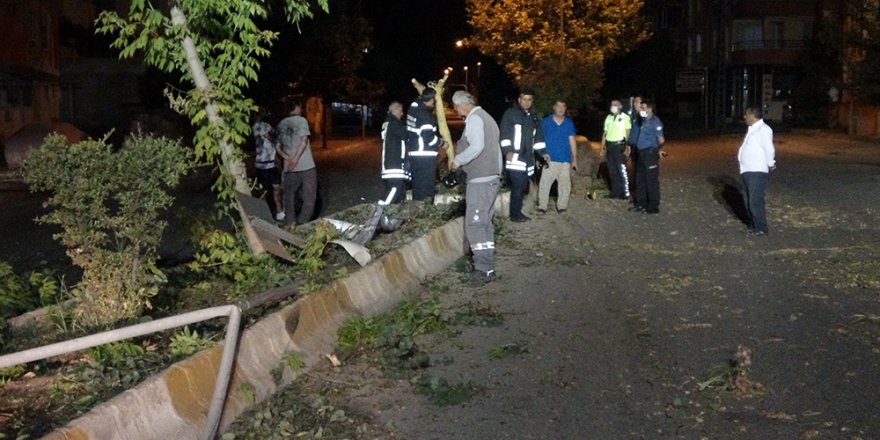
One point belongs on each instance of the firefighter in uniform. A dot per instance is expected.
(521, 140)
(614, 136)
(394, 172)
(422, 145)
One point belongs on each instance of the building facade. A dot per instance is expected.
(733, 54)
(30, 88)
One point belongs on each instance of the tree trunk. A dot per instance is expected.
(234, 166)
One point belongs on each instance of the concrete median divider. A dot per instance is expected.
(174, 404)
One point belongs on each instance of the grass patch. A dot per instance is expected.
(479, 313)
(442, 393)
(503, 351)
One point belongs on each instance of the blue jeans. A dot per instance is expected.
(754, 187)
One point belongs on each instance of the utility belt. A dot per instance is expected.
(622, 141)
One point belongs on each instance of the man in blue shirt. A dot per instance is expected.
(561, 155)
(650, 139)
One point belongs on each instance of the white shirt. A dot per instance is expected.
(757, 153)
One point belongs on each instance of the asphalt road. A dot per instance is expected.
(623, 318)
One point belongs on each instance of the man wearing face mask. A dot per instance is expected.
(616, 131)
(648, 168)
(632, 152)
(521, 140)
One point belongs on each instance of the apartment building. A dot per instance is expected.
(733, 54)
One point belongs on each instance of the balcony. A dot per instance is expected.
(772, 52)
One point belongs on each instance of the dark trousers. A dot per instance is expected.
(634, 168)
(302, 185)
(519, 185)
(648, 179)
(754, 186)
(617, 170)
(424, 176)
(395, 191)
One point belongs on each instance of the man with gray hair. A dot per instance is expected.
(479, 156)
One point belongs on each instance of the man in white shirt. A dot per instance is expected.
(757, 157)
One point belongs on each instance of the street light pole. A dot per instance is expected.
(466, 82)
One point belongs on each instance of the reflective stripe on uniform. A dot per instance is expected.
(487, 246)
(422, 153)
(517, 137)
(387, 200)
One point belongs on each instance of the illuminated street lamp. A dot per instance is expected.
(466, 82)
(479, 65)
(459, 43)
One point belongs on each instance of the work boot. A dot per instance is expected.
(479, 278)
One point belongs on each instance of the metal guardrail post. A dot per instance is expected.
(215, 411)
(230, 345)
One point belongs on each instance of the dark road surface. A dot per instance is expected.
(623, 315)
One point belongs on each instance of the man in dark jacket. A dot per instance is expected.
(479, 155)
(521, 139)
(394, 172)
(422, 145)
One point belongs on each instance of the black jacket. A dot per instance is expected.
(394, 136)
(521, 135)
(422, 139)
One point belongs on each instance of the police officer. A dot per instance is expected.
(648, 166)
(422, 145)
(394, 172)
(631, 151)
(616, 130)
(521, 140)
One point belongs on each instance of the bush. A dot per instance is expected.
(21, 293)
(107, 204)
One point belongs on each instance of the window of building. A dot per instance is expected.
(747, 34)
(777, 34)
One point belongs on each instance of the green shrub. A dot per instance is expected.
(15, 297)
(21, 293)
(186, 343)
(107, 204)
(309, 261)
(222, 254)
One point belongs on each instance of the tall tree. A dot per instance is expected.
(557, 47)
(215, 45)
(863, 41)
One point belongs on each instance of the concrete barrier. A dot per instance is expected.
(174, 403)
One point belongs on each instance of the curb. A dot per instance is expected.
(174, 403)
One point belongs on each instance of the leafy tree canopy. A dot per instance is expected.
(556, 46)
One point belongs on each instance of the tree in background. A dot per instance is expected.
(324, 61)
(810, 98)
(215, 45)
(862, 38)
(557, 47)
